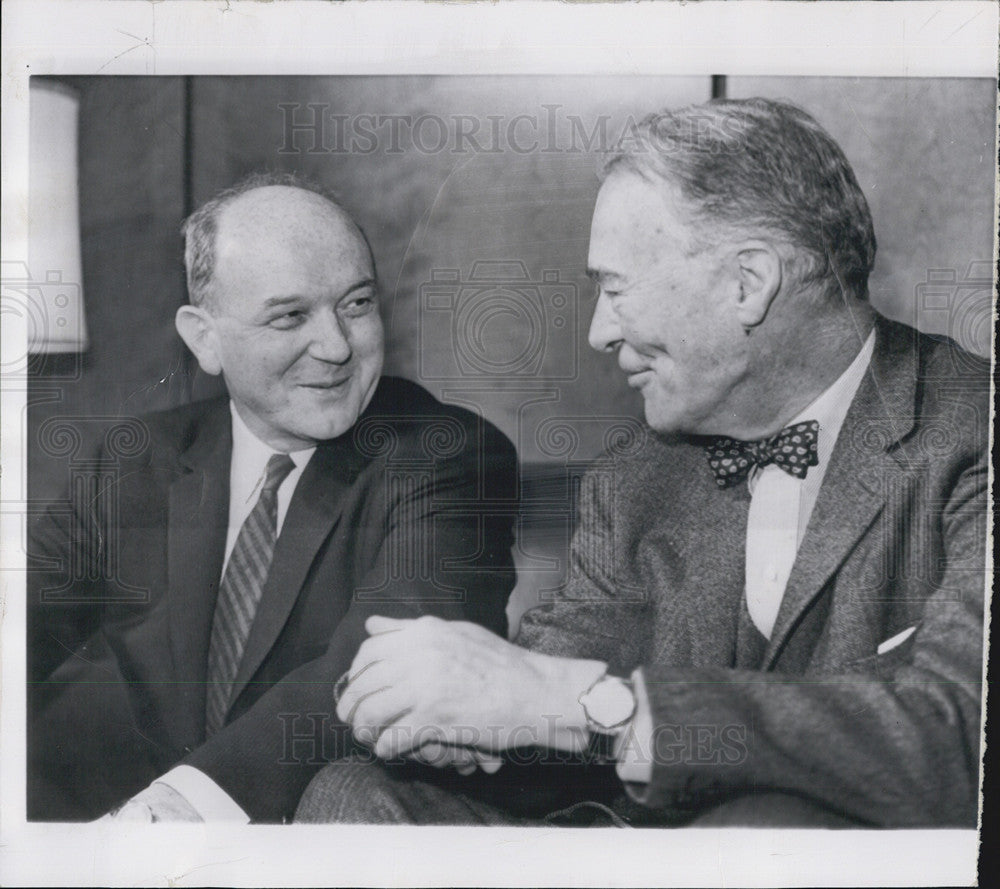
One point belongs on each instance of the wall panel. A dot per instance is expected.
(131, 205)
(924, 153)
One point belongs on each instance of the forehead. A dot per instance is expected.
(281, 225)
(636, 220)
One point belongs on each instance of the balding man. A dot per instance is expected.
(262, 529)
(775, 613)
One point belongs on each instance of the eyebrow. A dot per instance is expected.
(275, 302)
(603, 275)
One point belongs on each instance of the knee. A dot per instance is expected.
(348, 791)
(771, 809)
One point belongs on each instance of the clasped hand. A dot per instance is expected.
(444, 693)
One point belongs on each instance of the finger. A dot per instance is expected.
(351, 717)
(439, 755)
(134, 811)
(365, 679)
(489, 764)
(396, 736)
(459, 757)
(378, 713)
(376, 624)
(341, 685)
(371, 733)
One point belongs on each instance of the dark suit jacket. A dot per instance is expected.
(896, 540)
(410, 513)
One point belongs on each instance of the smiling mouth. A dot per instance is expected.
(335, 384)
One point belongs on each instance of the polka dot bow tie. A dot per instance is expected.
(793, 449)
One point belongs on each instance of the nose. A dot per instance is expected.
(605, 334)
(329, 341)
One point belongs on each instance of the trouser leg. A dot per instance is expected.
(360, 791)
(771, 809)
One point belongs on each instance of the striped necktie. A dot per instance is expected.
(240, 592)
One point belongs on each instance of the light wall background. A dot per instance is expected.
(152, 149)
(923, 152)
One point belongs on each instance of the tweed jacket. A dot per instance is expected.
(897, 540)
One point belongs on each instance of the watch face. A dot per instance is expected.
(609, 704)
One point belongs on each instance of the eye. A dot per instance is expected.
(359, 304)
(287, 320)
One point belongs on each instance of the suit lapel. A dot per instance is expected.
(854, 486)
(196, 536)
(717, 566)
(312, 514)
(699, 564)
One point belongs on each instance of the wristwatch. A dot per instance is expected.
(608, 705)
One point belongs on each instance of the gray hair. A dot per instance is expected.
(758, 164)
(199, 229)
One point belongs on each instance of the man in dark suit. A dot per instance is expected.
(774, 613)
(241, 543)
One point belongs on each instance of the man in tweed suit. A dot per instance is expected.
(776, 615)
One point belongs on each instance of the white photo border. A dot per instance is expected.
(115, 37)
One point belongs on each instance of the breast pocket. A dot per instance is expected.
(891, 654)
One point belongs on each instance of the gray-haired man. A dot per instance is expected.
(778, 615)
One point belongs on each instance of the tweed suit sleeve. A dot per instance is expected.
(600, 612)
(890, 740)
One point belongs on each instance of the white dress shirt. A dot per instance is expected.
(247, 471)
(781, 504)
(780, 507)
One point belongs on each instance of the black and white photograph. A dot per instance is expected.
(583, 459)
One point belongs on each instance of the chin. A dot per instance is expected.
(669, 426)
(332, 430)
(320, 428)
(661, 421)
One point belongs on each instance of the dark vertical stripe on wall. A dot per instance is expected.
(187, 202)
(718, 86)
(188, 159)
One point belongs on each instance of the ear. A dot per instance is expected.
(760, 271)
(197, 329)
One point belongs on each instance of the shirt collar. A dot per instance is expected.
(250, 456)
(831, 407)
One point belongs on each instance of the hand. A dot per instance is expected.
(423, 681)
(158, 802)
(465, 760)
